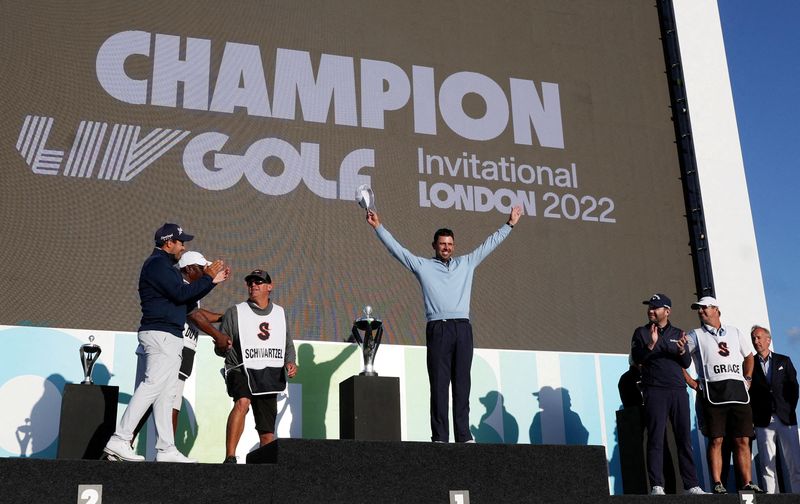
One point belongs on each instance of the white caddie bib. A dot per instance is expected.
(721, 358)
(262, 339)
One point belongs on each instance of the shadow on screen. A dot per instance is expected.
(615, 464)
(496, 425)
(37, 436)
(556, 408)
(315, 378)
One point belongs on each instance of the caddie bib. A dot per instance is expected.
(262, 339)
(722, 367)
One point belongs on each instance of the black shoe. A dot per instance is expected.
(753, 487)
(230, 460)
(719, 488)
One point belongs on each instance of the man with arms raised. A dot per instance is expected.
(446, 283)
(258, 363)
(773, 398)
(165, 298)
(723, 359)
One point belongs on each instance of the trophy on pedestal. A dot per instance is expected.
(367, 331)
(89, 354)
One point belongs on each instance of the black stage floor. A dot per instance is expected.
(329, 471)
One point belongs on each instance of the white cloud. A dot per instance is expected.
(794, 334)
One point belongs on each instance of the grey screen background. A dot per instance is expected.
(73, 246)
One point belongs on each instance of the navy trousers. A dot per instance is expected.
(449, 345)
(662, 404)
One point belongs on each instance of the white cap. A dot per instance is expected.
(192, 257)
(705, 301)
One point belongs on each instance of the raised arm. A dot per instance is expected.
(399, 252)
(496, 238)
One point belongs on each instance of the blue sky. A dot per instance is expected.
(763, 47)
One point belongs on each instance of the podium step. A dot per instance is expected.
(331, 471)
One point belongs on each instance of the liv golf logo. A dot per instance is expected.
(343, 92)
(127, 152)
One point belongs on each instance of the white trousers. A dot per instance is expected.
(162, 360)
(790, 447)
(141, 370)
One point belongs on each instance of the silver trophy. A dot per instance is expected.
(89, 354)
(367, 331)
(365, 198)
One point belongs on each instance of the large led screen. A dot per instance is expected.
(252, 123)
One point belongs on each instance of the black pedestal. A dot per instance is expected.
(369, 408)
(88, 419)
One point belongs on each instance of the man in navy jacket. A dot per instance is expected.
(773, 398)
(165, 300)
(660, 349)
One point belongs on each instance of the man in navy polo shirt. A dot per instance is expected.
(164, 298)
(660, 349)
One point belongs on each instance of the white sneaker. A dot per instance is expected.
(657, 490)
(696, 490)
(119, 449)
(174, 456)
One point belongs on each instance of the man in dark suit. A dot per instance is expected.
(773, 397)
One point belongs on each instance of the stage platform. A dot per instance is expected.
(328, 471)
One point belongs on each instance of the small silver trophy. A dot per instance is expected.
(89, 354)
(367, 331)
(365, 198)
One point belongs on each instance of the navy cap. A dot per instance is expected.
(170, 231)
(658, 301)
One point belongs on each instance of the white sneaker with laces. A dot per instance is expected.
(174, 456)
(696, 490)
(657, 490)
(119, 449)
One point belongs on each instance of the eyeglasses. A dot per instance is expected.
(257, 281)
